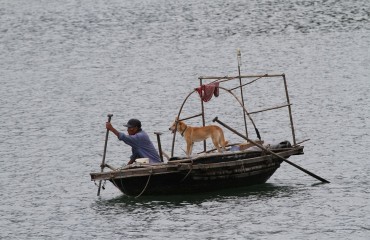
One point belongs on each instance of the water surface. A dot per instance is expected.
(65, 66)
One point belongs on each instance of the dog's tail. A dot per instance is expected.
(224, 144)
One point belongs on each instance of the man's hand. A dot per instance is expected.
(109, 127)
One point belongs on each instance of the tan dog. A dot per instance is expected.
(198, 134)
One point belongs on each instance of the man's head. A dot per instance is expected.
(133, 126)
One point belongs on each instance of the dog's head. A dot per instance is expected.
(173, 126)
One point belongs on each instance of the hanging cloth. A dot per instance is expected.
(207, 91)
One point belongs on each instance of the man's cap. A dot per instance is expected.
(133, 123)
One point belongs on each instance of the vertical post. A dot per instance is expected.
(289, 108)
(239, 57)
(159, 145)
(203, 119)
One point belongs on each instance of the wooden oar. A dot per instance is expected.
(105, 150)
(265, 149)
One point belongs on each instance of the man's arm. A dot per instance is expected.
(109, 126)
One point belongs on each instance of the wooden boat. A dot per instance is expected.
(208, 171)
(204, 173)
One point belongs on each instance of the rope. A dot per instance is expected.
(191, 168)
(103, 186)
(114, 183)
(151, 172)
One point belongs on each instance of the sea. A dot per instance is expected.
(65, 65)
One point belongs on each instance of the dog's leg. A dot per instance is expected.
(222, 141)
(217, 144)
(223, 144)
(189, 148)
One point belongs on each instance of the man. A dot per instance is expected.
(141, 145)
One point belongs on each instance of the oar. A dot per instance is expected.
(105, 150)
(265, 149)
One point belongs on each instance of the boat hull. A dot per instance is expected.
(174, 184)
(209, 173)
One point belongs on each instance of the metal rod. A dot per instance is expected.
(269, 151)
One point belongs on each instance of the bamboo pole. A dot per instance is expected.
(247, 83)
(203, 119)
(289, 109)
(239, 57)
(268, 109)
(245, 109)
(178, 116)
(243, 76)
(159, 145)
(105, 151)
(271, 152)
(194, 116)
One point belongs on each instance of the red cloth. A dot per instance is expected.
(207, 91)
